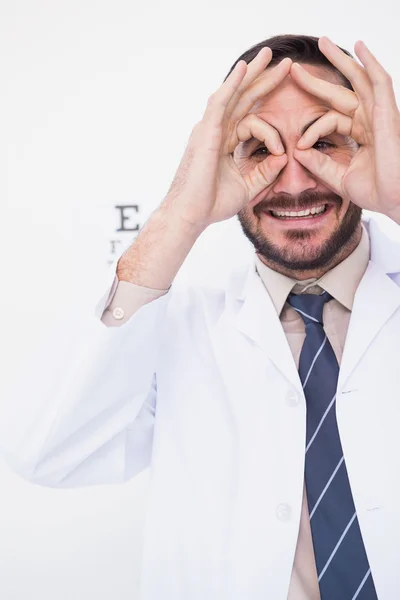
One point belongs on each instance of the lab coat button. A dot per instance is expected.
(292, 398)
(284, 512)
(118, 313)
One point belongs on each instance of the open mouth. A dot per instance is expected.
(308, 213)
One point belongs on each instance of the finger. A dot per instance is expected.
(218, 101)
(337, 96)
(323, 167)
(254, 68)
(353, 71)
(381, 81)
(268, 82)
(264, 174)
(331, 122)
(254, 127)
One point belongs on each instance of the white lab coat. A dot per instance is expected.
(201, 385)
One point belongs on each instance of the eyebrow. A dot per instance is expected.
(248, 143)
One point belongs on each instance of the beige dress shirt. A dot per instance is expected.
(341, 282)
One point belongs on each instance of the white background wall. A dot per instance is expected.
(97, 101)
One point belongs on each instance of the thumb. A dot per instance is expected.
(264, 174)
(323, 167)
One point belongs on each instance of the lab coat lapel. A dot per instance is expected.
(258, 320)
(375, 301)
(251, 345)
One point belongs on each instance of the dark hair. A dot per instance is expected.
(300, 48)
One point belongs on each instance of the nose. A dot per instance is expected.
(294, 178)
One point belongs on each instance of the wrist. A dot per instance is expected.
(176, 218)
(158, 252)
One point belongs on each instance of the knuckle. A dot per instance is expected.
(197, 127)
(205, 133)
(388, 78)
(196, 131)
(383, 78)
(249, 119)
(212, 100)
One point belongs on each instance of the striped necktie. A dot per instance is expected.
(342, 563)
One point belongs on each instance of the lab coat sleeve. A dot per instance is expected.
(83, 410)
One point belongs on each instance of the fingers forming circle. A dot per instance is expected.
(323, 167)
(331, 122)
(252, 126)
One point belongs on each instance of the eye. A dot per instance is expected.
(260, 151)
(323, 145)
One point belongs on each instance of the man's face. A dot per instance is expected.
(298, 244)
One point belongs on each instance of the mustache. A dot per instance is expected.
(307, 199)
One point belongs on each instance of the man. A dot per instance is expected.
(274, 471)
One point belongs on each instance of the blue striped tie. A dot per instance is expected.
(342, 564)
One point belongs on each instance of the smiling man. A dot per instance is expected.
(300, 227)
(267, 409)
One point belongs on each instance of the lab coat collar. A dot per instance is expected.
(376, 298)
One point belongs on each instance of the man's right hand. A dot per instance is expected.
(208, 186)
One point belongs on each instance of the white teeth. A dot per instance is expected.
(301, 213)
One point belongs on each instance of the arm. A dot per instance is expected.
(84, 408)
(89, 394)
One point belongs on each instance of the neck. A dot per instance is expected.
(300, 275)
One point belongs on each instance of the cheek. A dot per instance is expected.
(247, 214)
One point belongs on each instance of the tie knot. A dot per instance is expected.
(309, 306)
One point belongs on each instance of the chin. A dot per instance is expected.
(300, 256)
(301, 238)
(310, 249)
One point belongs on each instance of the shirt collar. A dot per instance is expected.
(341, 282)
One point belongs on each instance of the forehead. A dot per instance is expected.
(288, 105)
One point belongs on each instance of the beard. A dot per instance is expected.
(297, 254)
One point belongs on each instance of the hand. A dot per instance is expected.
(208, 186)
(370, 116)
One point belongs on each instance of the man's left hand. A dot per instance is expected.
(370, 116)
